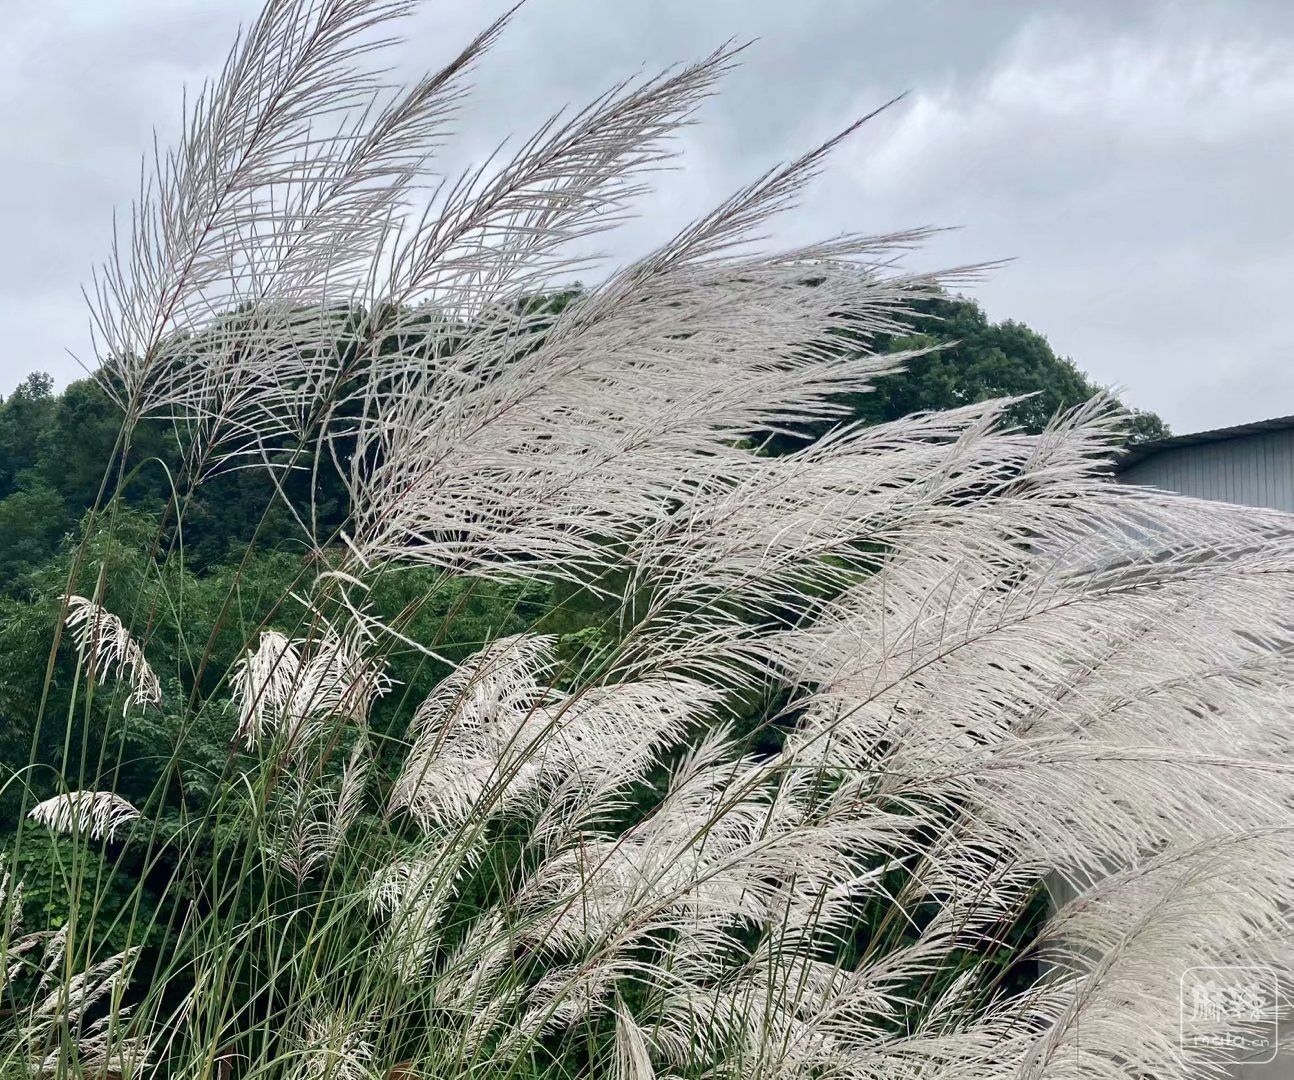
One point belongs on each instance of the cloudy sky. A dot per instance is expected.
(1135, 158)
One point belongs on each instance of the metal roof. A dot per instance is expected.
(1141, 451)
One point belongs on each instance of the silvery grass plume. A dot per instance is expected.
(309, 816)
(61, 1018)
(335, 1048)
(265, 681)
(861, 705)
(289, 689)
(107, 648)
(99, 814)
(99, 1045)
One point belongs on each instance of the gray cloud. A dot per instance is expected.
(1134, 159)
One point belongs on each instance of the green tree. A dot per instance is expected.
(32, 521)
(22, 418)
(972, 360)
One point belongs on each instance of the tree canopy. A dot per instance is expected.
(972, 359)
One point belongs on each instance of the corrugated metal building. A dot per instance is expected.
(1252, 464)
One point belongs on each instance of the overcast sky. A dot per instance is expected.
(1136, 159)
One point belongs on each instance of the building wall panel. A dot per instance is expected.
(1251, 470)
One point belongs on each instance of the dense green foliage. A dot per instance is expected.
(971, 359)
